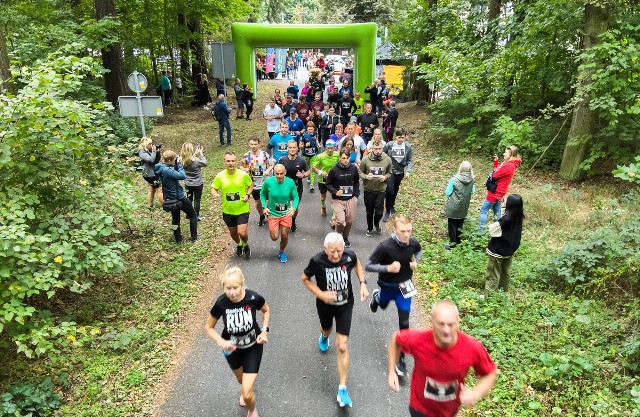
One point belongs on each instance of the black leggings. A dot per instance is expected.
(249, 109)
(455, 230)
(194, 193)
(193, 220)
(248, 359)
(393, 186)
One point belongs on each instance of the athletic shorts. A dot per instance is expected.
(414, 413)
(249, 359)
(322, 188)
(240, 104)
(342, 315)
(255, 194)
(232, 220)
(153, 181)
(390, 293)
(276, 222)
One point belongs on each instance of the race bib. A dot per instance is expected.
(347, 190)
(342, 296)
(231, 197)
(376, 171)
(408, 289)
(438, 391)
(367, 130)
(282, 146)
(310, 151)
(247, 340)
(257, 172)
(281, 208)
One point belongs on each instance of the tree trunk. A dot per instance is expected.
(111, 56)
(184, 51)
(198, 58)
(421, 91)
(5, 74)
(583, 122)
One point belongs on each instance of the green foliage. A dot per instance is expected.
(60, 200)
(603, 263)
(629, 172)
(29, 400)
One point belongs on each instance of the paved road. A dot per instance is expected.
(295, 378)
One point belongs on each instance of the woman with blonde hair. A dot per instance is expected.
(193, 160)
(150, 156)
(242, 339)
(459, 191)
(502, 174)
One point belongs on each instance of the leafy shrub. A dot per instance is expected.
(29, 400)
(604, 263)
(61, 201)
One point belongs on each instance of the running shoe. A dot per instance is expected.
(385, 218)
(293, 228)
(201, 218)
(262, 221)
(401, 367)
(332, 222)
(312, 190)
(283, 257)
(323, 211)
(247, 252)
(378, 230)
(239, 250)
(375, 298)
(343, 398)
(347, 244)
(323, 343)
(369, 233)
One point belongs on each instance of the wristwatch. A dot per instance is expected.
(265, 329)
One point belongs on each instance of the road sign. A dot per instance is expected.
(151, 106)
(137, 82)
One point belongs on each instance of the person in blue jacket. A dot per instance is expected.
(170, 172)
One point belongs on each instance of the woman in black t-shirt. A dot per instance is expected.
(242, 339)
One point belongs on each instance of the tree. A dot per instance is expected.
(583, 122)
(5, 72)
(111, 56)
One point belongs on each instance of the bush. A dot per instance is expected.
(29, 400)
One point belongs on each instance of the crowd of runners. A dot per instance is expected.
(341, 149)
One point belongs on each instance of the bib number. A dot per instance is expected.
(281, 208)
(247, 340)
(309, 151)
(257, 172)
(376, 171)
(347, 190)
(408, 289)
(342, 296)
(282, 146)
(231, 197)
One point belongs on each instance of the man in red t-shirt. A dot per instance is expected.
(442, 356)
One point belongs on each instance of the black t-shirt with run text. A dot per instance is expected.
(294, 166)
(333, 277)
(239, 318)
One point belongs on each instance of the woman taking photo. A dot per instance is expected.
(193, 160)
(505, 241)
(170, 172)
(502, 175)
(150, 155)
(242, 339)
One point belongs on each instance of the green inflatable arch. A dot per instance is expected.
(359, 36)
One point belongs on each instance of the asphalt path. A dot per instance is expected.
(295, 378)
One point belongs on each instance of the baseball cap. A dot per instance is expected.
(330, 143)
(353, 119)
(293, 110)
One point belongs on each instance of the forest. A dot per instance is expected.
(560, 79)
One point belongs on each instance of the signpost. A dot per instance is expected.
(139, 106)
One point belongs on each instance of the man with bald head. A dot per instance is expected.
(443, 356)
(279, 197)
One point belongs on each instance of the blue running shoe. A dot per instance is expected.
(343, 398)
(283, 257)
(323, 344)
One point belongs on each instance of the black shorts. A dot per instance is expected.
(255, 194)
(414, 413)
(342, 315)
(232, 220)
(248, 359)
(153, 181)
(322, 188)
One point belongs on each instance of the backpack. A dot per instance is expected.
(217, 112)
(491, 184)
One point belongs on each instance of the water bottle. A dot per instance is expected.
(234, 341)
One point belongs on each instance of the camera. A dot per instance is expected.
(158, 145)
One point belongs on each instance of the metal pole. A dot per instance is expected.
(139, 100)
(224, 77)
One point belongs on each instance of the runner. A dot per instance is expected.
(309, 149)
(321, 165)
(273, 115)
(401, 155)
(259, 165)
(279, 206)
(297, 169)
(242, 340)
(343, 182)
(358, 143)
(296, 126)
(346, 107)
(395, 259)
(334, 300)
(278, 143)
(236, 186)
(368, 122)
(443, 356)
(316, 109)
(328, 124)
(376, 170)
